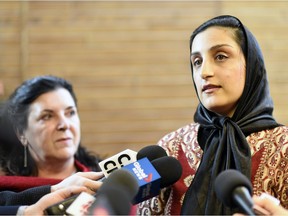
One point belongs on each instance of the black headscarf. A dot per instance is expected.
(223, 139)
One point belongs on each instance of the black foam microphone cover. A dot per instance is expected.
(169, 168)
(122, 178)
(225, 184)
(115, 195)
(113, 201)
(235, 190)
(152, 152)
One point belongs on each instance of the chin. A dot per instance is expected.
(66, 154)
(217, 110)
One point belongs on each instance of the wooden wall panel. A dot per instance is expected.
(10, 13)
(128, 60)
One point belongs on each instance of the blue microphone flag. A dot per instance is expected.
(148, 179)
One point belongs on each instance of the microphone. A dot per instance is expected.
(169, 168)
(234, 189)
(128, 156)
(121, 183)
(117, 161)
(150, 186)
(115, 195)
(152, 152)
(154, 176)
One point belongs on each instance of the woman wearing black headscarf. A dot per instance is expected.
(234, 127)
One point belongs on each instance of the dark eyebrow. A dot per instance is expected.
(70, 107)
(47, 110)
(51, 111)
(211, 48)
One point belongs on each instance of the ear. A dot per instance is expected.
(23, 140)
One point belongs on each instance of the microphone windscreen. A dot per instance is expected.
(225, 184)
(115, 195)
(112, 200)
(152, 152)
(121, 178)
(169, 168)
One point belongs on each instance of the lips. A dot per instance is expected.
(209, 87)
(63, 139)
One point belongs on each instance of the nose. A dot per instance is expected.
(63, 123)
(206, 70)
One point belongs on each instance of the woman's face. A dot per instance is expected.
(53, 130)
(218, 70)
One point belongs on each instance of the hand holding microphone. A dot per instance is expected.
(235, 190)
(153, 170)
(265, 204)
(128, 156)
(151, 167)
(113, 198)
(149, 160)
(115, 195)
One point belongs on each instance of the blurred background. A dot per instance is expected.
(129, 60)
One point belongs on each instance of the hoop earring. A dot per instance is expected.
(25, 156)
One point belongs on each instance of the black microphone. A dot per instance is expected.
(169, 168)
(152, 152)
(121, 184)
(234, 189)
(162, 172)
(111, 199)
(128, 156)
(115, 195)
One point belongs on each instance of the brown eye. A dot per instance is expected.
(221, 57)
(197, 62)
(46, 117)
(71, 112)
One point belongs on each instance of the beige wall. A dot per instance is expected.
(129, 60)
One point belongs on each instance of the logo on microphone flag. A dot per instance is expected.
(148, 179)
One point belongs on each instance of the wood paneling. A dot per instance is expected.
(129, 60)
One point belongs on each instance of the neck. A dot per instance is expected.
(57, 170)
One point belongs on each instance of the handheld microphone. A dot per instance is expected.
(115, 195)
(122, 159)
(152, 152)
(117, 161)
(234, 190)
(128, 156)
(154, 176)
(169, 168)
(120, 182)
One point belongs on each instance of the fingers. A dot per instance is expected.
(62, 194)
(265, 203)
(52, 198)
(87, 179)
(90, 181)
(92, 186)
(270, 204)
(91, 175)
(70, 191)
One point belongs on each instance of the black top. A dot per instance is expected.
(10, 201)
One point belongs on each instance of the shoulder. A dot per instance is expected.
(185, 132)
(274, 140)
(277, 134)
(184, 139)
